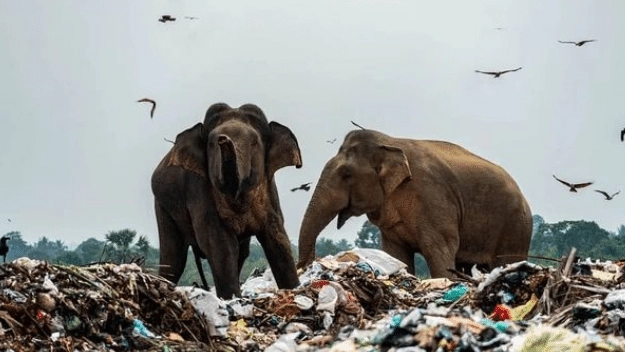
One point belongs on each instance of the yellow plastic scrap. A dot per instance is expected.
(388, 282)
(545, 338)
(520, 312)
(434, 284)
(238, 331)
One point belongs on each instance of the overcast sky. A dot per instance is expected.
(78, 152)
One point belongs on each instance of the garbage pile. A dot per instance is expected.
(104, 307)
(363, 300)
(358, 300)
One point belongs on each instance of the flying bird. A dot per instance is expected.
(623, 135)
(9, 220)
(190, 17)
(4, 248)
(305, 187)
(496, 74)
(332, 141)
(573, 186)
(607, 196)
(166, 18)
(580, 43)
(146, 100)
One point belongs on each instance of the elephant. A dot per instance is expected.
(215, 189)
(426, 196)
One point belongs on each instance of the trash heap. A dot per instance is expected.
(363, 300)
(102, 307)
(358, 300)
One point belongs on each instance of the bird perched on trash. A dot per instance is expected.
(580, 43)
(496, 74)
(4, 248)
(607, 196)
(573, 186)
(147, 100)
(166, 18)
(305, 187)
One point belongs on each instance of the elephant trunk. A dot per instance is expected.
(236, 174)
(327, 201)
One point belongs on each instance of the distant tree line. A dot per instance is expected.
(548, 240)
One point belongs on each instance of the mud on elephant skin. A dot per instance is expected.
(430, 197)
(215, 189)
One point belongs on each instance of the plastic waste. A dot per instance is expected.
(303, 302)
(615, 299)
(584, 311)
(286, 343)
(140, 329)
(379, 260)
(455, 293)
(262, 284)
(327, 299)
(208, 304)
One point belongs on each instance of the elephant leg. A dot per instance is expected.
(399, 251)
(173, 252)
(277, 248)
(244, 252)
(439, 250)
(221, 249)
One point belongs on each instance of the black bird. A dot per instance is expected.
(623, 135)
(496, 74)
(580, 43)
(332, 141)
(573, 186)
(148, 100)
(4, 249)
(607, 196)
(166, 18)
(305, 187)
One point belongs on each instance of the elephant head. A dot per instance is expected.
(243, 149)
(366, 169)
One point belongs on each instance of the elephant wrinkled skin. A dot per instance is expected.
(215, 189)
(430, 197)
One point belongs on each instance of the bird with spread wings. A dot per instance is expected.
(148, 100)
(496, 74)
(305, 187)
(573, 186)
(606, 195)
(580, 43)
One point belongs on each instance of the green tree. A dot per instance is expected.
(121, 241)
(143, 246)
(368, 236)
(90, 250)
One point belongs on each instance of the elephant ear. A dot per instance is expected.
(189, 151)
(393, 168)
(284, 149)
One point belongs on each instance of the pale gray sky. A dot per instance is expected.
(78, 151)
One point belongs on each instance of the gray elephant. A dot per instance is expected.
(430, 197)
(215, 189)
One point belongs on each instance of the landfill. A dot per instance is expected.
(357, 300)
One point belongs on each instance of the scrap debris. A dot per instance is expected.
(358, 300)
